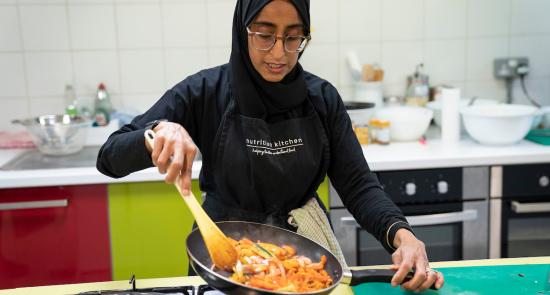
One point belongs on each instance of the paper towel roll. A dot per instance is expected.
(450, 116)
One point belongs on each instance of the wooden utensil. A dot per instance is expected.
(222, 252)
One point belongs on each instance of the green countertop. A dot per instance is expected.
(491, 276)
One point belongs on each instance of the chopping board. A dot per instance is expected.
(502, 280)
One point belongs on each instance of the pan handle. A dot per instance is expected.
(377, 276)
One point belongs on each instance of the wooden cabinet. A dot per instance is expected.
(54, 235)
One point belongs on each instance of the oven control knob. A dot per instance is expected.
(442, 187)
(410, 189)
(544, 181)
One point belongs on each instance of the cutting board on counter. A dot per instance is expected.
(501, 280)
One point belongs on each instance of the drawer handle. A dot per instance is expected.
(34, 205)
(519, 208)
(431, 219)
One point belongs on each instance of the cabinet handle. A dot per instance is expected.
(541, 207)
(431, 219)
(34, 205)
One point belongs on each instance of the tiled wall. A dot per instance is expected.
(139, 48)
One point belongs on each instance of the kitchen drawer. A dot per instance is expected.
(54, 235)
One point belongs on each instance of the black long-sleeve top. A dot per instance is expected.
(198, 103)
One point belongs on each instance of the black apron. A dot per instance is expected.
(264, 170)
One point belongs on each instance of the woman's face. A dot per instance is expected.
(281, 18)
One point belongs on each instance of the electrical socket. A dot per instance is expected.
(507, 68)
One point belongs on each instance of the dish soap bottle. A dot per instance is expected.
(70, 101)
(418, 89)
(103, 107)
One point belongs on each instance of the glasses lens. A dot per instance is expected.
(263, 41)
(294, 43)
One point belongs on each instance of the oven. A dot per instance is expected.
(447, 209)
(520, 210)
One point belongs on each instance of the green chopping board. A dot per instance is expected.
(501, 280)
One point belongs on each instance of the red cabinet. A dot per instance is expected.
(54, 235)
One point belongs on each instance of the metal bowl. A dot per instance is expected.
(57, 135)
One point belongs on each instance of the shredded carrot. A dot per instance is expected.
(278, 268)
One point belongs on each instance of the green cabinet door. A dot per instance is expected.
(149, 223)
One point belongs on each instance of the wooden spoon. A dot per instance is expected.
(222, 252)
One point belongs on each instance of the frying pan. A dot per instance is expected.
(219, 279)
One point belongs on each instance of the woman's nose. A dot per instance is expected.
(278, 50)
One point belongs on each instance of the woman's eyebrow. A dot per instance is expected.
(272, 25)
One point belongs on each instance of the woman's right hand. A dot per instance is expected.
(173, 153)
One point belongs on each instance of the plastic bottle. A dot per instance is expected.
(102, 107)
(71, 107)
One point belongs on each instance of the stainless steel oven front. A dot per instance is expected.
(447, 208)
(520, 210)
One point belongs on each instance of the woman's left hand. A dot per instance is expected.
(411, 254)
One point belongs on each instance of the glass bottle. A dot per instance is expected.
(103, 107)
(70, 101)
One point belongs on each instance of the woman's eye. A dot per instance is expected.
(265, 37)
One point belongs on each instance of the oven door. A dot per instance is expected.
(452, 235)
(525, 227)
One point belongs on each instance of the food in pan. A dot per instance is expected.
(278, 268)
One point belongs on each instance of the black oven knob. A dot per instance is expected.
(442, 187)
(410, 189)
(544, 181)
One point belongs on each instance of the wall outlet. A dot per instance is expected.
(511, 67)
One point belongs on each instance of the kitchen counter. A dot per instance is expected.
(515, 263)
(396, 156)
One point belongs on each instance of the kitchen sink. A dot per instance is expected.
(33, 159)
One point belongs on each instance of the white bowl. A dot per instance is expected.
(436, 107)
(503, 124)
(407, 123)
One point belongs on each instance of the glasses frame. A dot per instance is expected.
(283, 38)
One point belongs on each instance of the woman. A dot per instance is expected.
(269, 132)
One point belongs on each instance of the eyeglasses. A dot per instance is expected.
(264, 41)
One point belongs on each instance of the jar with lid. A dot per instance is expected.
(379, 131)
(418, 88)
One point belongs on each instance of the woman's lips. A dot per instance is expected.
(275, 68)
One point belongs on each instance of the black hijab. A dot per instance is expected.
(255, 96)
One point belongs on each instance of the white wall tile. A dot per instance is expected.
(537, 49)
(43, 2)
(218, 56)
(44, 27)
(141, 71)
(139, 26)
(395, 89)
(322, 60)
(46, 106)
(184, 25)
(48, 72)
(90, 1)
(220, 22)
(8, 2)
(480, 54)
(445, 19)
(399, 59)
(488, 17)
(9, 28)
(530, 16)
(12, 75)
(402, 20)
(140, 102)
(486, 89)
(445, 60)
(136, 1)
(367, 53)
(17, 108)
(92, 26)
(181, 63)
(324, 20)
(94, 67)
(537, 89)
(360, 20)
